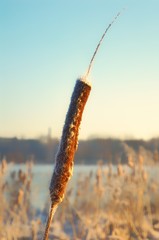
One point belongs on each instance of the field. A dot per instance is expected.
(106, 204)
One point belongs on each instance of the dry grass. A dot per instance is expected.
(106, 204)
(117, 205)
(16, 213)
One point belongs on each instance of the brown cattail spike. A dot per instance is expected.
(69, 140)
(68, 145)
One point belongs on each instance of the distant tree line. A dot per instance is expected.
(89, 151)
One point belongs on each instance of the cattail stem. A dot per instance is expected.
(67, 148)
(50, 217)
(99, 44)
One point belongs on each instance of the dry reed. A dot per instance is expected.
(128, 207)
(69, 140)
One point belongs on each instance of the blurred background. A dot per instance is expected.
(45, 46)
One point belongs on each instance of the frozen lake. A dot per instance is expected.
(42, 176)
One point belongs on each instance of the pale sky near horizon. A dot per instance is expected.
(46, 45)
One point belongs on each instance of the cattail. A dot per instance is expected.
(68, 145)
(69, 140)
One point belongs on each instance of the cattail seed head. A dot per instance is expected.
(69, 142)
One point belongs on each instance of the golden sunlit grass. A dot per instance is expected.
(110, 203)
(16, 213)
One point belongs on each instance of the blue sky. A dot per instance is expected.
(46, 45)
